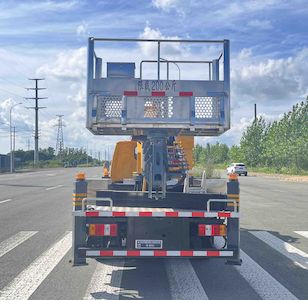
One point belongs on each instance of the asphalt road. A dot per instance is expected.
(35, 248)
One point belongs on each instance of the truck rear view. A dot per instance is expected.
(150, 206)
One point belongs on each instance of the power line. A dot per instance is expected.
(36, 108)
(60, 141)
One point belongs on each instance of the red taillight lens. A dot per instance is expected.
(211, 230)
(103, 229)
(201, 229)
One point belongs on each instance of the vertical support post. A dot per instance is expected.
(90, 62)
(90, 66)
(79, 222)
(227, 66)
(155, 164)
(167, 70)
(215, 68)
(226, 54)
(158, 60)
(210, 76)
(124, 110)
(233, 225)
(192, 110)
(98, 67)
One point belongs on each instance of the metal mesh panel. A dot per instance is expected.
(109, 107)
(207, 107)
(158, 107)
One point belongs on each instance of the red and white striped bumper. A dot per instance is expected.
(156, 253)
(174, 214)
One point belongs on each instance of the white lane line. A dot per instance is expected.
(299, 257)
(302, 233)
(106, 281)
(183, 280)
(7, 200)
(54, 187)
(24, 285)
(15, 240)
(266, 286)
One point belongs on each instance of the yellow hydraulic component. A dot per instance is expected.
(187, 143)
(124, 161)
(139, 157)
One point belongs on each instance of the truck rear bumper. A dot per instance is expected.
(155, 253)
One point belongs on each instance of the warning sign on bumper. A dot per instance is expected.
(148, 244)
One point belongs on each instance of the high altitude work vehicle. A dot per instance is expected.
(150, 206)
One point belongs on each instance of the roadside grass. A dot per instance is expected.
(282, 171)
(198, 169)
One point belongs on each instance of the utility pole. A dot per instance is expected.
(14, 137)
(11, 142)
(36, 108)
(255, 112)
(60, 141)
(28, 144)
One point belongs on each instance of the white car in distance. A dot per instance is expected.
(238, 168)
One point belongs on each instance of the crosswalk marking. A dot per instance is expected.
(302, 233)
(106, 281)
(6, 200)
(24, 285)
(298, 256)
(15, 240)
(183, 280)
(262, 282)
(54, 187)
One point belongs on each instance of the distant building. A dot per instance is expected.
(4, 163)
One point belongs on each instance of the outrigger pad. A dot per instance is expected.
(172, 200)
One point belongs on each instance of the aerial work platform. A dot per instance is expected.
(123, 104)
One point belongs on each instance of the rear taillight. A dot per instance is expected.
(103, 229)
(211, 230)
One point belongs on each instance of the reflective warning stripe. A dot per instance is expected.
(157, 253)
(172, 214)
(185, 94)
(157, 94)
(79, 197)
(130, 93)
(233, 196)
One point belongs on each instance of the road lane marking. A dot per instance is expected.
(15, 240)
(302, 233)
(24, 285)
(183, 280)
(54, 187)
(299, 257)
(266, 286)
(106, 281)
(7, 200)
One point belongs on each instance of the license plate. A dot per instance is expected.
(148, 244)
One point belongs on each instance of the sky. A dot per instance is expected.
(48, 39)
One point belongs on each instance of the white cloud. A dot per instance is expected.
(165, 4)
(68, 65)
(271, 79)
(172, 50)
(260, 24)
(24, 8)
(82, 29)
